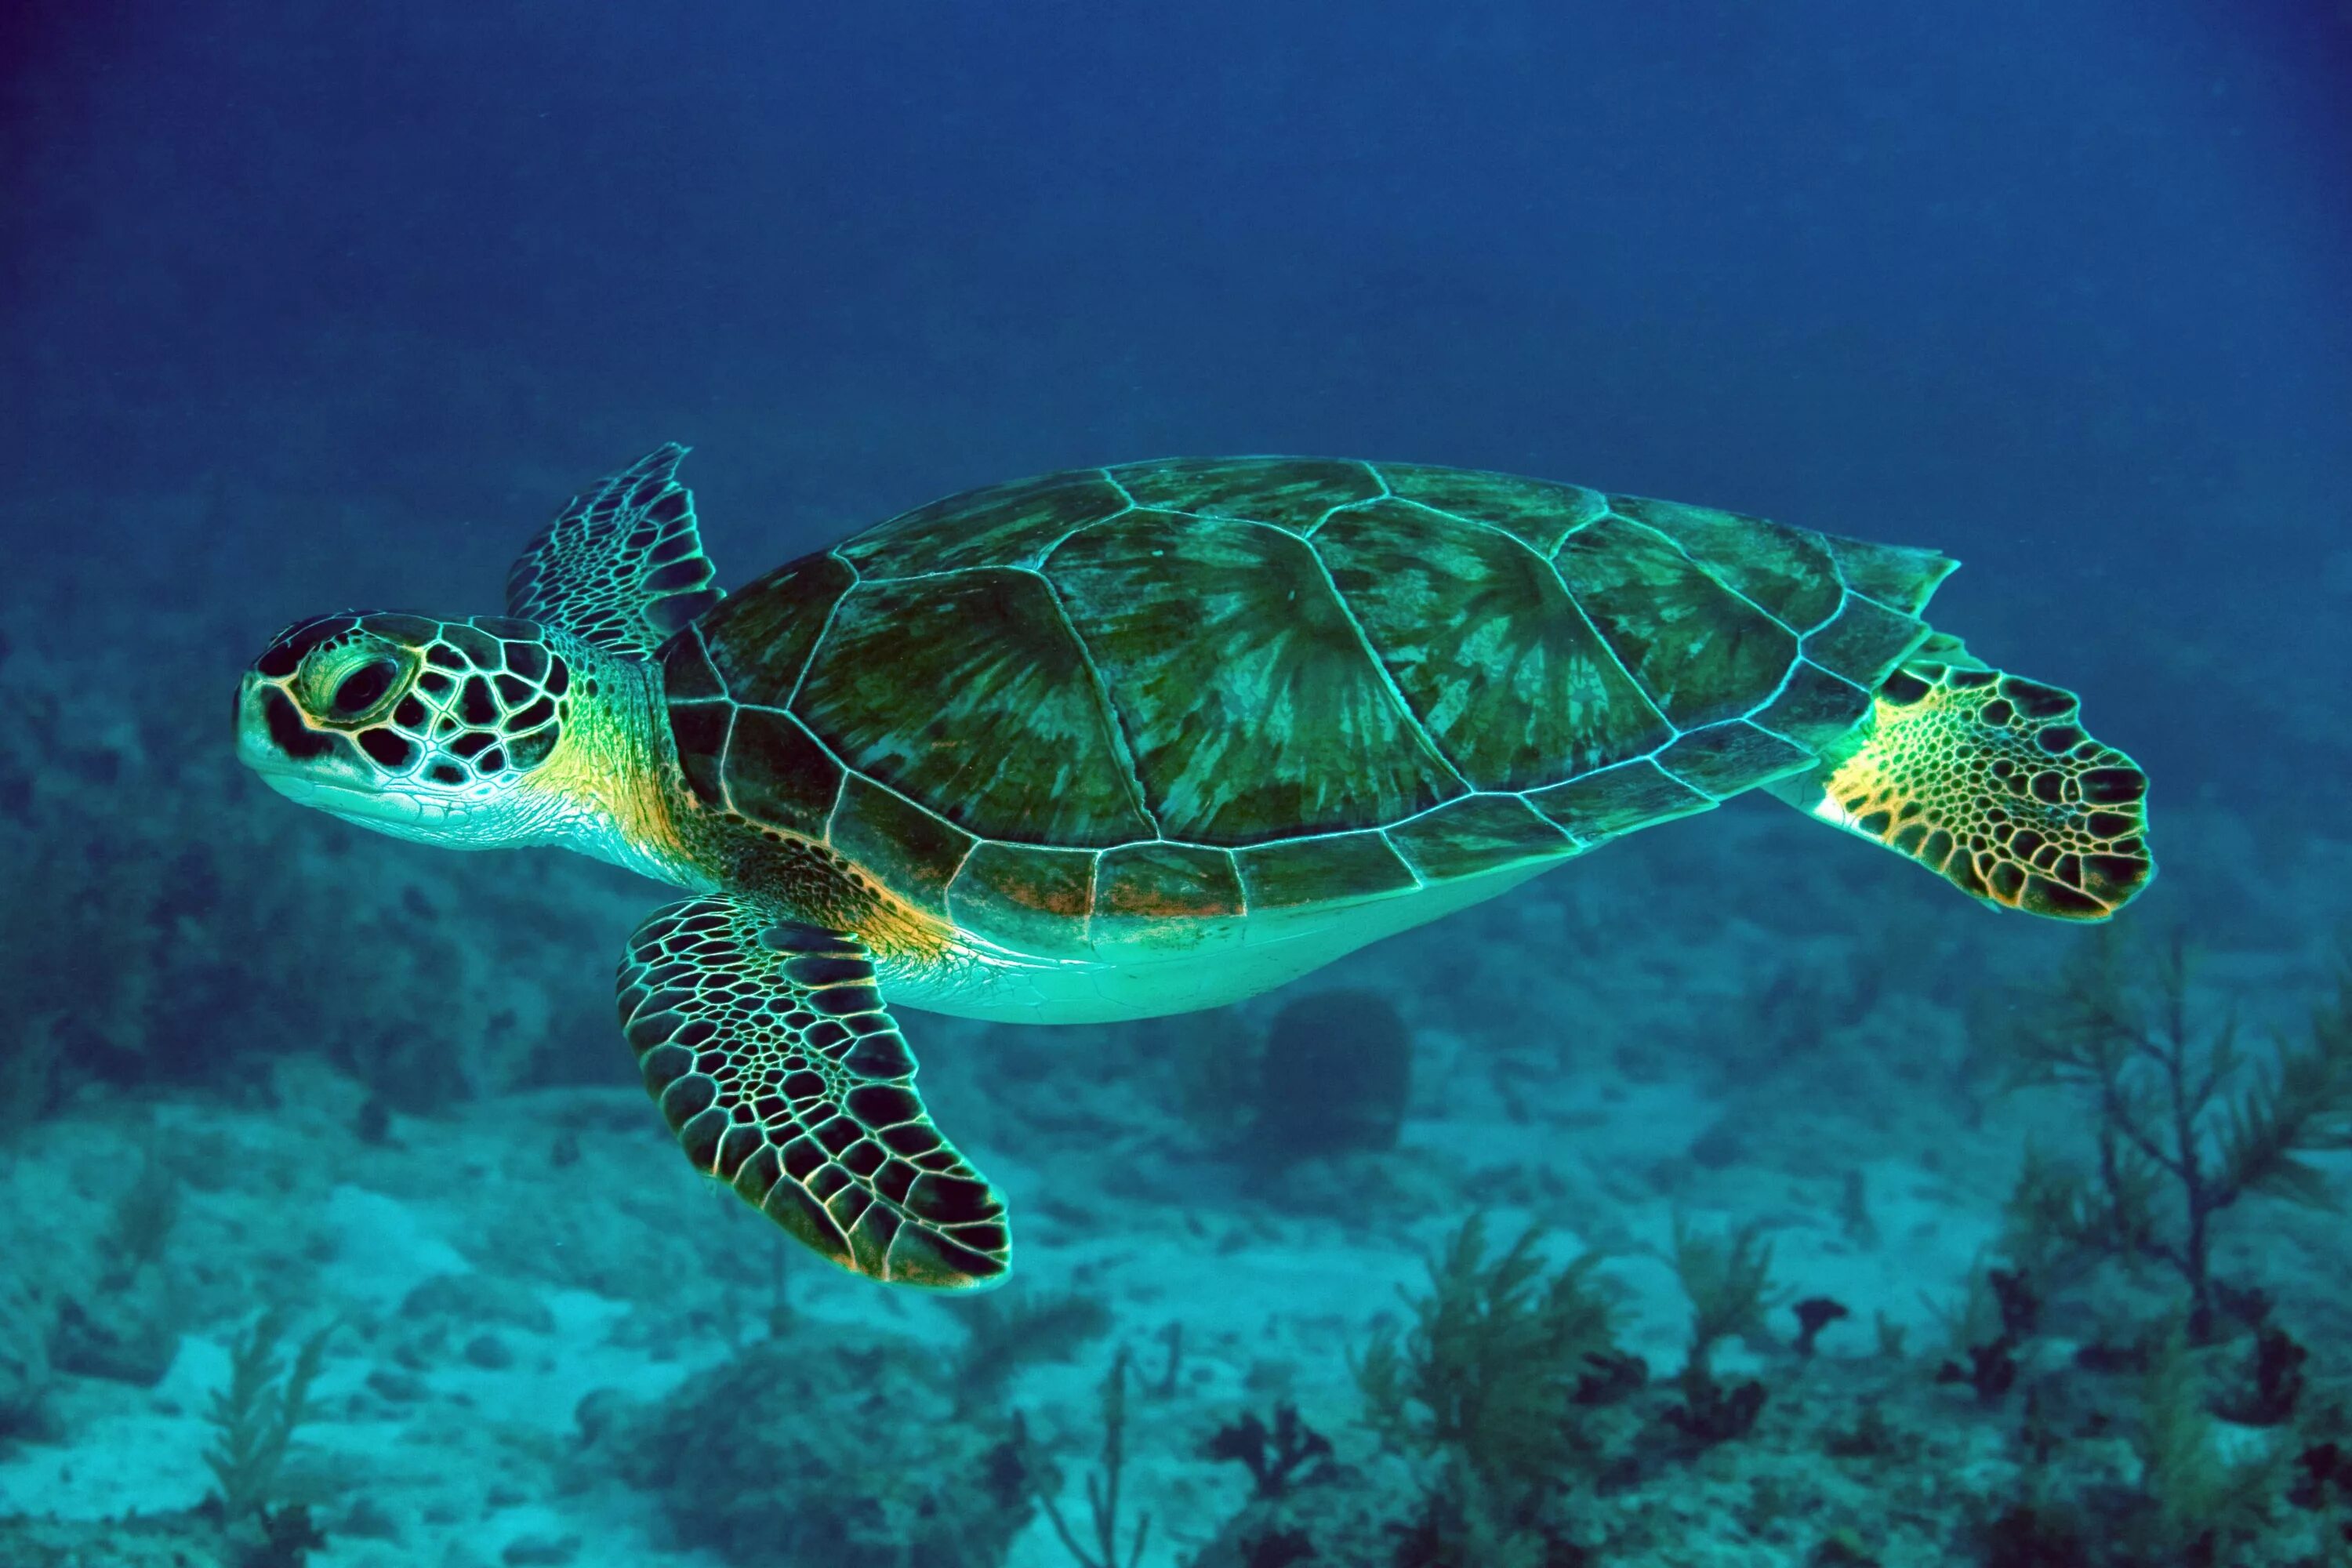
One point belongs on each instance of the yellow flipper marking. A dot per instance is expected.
(1989, 780)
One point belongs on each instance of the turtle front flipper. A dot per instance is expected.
(768, 1047)
(1989, 780)
(621, 565)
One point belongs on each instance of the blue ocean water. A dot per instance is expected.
(322, 306)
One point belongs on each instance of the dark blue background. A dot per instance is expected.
(2058, 287)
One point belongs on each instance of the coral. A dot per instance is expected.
(2028, 1537)
(1007, 1331)
(165, 922)
(1728, 1280)
(1277, 1549)
(1275, 1456)
(1995, 1296)
(1815, 1313)
(141, 1223)
(1712, 1411)
(1334, 1078)
(2180, 1109)
(1485, 1383)
(1164, 1385)
(24, 1370)
(2273, 1384)
(256, 1416)
(825, 1445)
(1102, 1486)
(2203, 1504)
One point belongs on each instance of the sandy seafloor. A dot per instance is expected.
(1741, 1019)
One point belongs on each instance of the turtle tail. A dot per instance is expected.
(1991, 781)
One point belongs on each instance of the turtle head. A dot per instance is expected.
(440, 731)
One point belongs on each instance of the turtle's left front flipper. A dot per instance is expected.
(768, 1047)
(621, 565)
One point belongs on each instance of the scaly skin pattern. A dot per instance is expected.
(1135, 741)
(486, 730)
(1107, 716)
(1988, 781)
(767, 1047)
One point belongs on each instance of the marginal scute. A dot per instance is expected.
(1618, 800)
(1477, 834)
(760, 640)
(1253, 708)
(1724, 758)
(1496, 661)
(1293, 493)
(1538, 513)
(1333, 869)
(1166, 882)
(778, 775)
(1002, 525)
(909, 851)
(1700, 651)
(1031, 900)
(1901, 576)
(1787, 571)
(970, 694)
(1864, 642)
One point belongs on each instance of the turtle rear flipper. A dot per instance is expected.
(1990, 780)
(768, 1049)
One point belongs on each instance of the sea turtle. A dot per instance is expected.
(1125, 741)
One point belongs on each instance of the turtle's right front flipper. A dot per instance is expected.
(768, 1049)
(1989, 780)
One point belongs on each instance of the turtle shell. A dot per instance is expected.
(1060, 712)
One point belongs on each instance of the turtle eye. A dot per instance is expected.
(362, 689)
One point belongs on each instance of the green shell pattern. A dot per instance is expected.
(1065, 712)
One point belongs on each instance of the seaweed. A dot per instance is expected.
(2201, 1503)
(1008, 1330)
(139, 1223)
(2181, 1109)
(2274, 1381)
(254, 1418)
(1729, 1278)
(1490, 1368)
(869, 1465)
(1275, 1456)
(1484, 1384)
(1815, 1313)
(1103, 1486)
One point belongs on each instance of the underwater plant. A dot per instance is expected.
(1278, 1457)
(2202, 1503)
(254, 1418)
(1103, 1487)
(1729, 1278)
(1007, 1331)
(2181, 1109)
(870, 1465)
(1334, 1077)
(1484, 1384)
